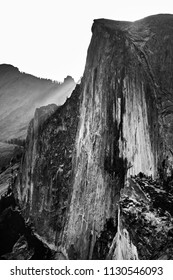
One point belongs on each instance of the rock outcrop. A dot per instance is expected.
(76, 184)
(45, 182)
(146, 213)
(17, 240)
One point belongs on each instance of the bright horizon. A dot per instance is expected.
(50, 38)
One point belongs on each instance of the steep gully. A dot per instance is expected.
(78, 184)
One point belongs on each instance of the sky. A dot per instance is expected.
(50, 38)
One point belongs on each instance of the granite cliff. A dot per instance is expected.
(99, 171)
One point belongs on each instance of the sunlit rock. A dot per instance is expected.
(75, 184)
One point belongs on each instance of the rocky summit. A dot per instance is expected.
(96, 177)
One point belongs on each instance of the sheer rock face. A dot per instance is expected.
(44, 184)
(125, 127)
(122, 127)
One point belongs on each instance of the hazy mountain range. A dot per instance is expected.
(21, 94)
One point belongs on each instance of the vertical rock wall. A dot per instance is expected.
(125, 127)
(114, 138)
(44, 185)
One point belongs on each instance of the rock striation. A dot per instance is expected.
(77, 183)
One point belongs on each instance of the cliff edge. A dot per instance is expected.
(88, 155)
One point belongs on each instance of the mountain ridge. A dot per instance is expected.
(21, 94)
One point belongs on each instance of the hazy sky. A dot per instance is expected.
(49, 38)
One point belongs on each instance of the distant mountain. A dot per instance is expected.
(21, 94)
